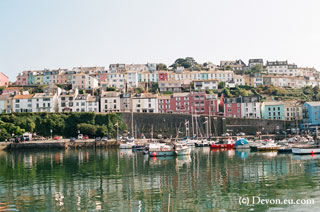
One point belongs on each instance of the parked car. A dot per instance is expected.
(80, 136)
(104, 139)
(72, 139)
(98, 139)
(240, 134)
(85, 137)
(225, 134)
(56, 138)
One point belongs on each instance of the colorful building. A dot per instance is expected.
(273, 110)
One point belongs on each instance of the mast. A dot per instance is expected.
(192, 122)
(132, 132)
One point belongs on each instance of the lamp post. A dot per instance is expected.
(51, 133)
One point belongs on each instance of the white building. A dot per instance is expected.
(250, 107)
(116, 80)
(84, 81)
(145, 103)
(22, 103)
(45, 102)
(85, 103)
(206, 84)
(110, 102)
(66, 100)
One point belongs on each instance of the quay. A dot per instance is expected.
(64, 144)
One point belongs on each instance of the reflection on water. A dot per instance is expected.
(122, 180)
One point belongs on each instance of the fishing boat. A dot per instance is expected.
(306, 151)
(242, 144)
(160, 150)
(269, 145)
(229, 144)
(202, 143)
(180, 149)
(129, 144)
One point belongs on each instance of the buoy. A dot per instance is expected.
(154, 154)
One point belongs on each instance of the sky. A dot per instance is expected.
(37, 34)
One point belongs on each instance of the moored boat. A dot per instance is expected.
(180, 149)
(229, 144)
(160, 150)
(305, 151)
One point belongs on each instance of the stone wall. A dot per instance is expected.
(169, 125)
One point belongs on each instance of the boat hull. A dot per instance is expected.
(268, 148)
(125, 146)
(222, 146)
(161, 153)
(183, 152)
(305, 151)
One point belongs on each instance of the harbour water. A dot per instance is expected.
(122, 180)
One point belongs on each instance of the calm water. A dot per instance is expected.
(113, 180)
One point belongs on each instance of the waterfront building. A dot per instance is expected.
(66, 100)
(179, 103)
(273, 110)
(145, 103)
(292, 111)
(110, 102)
(5, 103)
(232, 107)
(125, 102)
(197, 102)
(45, 102)
(311, 114)
(250, 107)
(22, 103)
(86, 103)
(164, 104)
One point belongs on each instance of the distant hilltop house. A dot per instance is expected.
(4, 80)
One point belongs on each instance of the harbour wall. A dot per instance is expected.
(171, 125)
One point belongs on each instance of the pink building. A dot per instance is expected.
(232, 107)
(163, 76)
(164, 104)
(11, 90)
(180, 103)
(4, 80)
(22, 78)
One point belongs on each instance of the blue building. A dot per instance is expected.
(310, 115)
(273, 110)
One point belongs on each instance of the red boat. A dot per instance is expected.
(222, 146)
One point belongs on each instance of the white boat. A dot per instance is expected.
(180, 149)
(306, 151)
(270, 145)
(127, 145)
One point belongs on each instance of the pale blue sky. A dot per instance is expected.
(37, 34)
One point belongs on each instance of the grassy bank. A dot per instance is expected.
(62, 124)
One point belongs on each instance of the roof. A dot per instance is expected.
(273, 103)
(110, 94)
(180, 94)
(208, 80)
(164, 97)
(4, 96)
(313, 103)
(43, 95)
(12, 88)
(29, 96)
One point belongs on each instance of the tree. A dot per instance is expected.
(101, 131)
(162, 66)
(87, 129)
(187, 62)
(221, 85)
